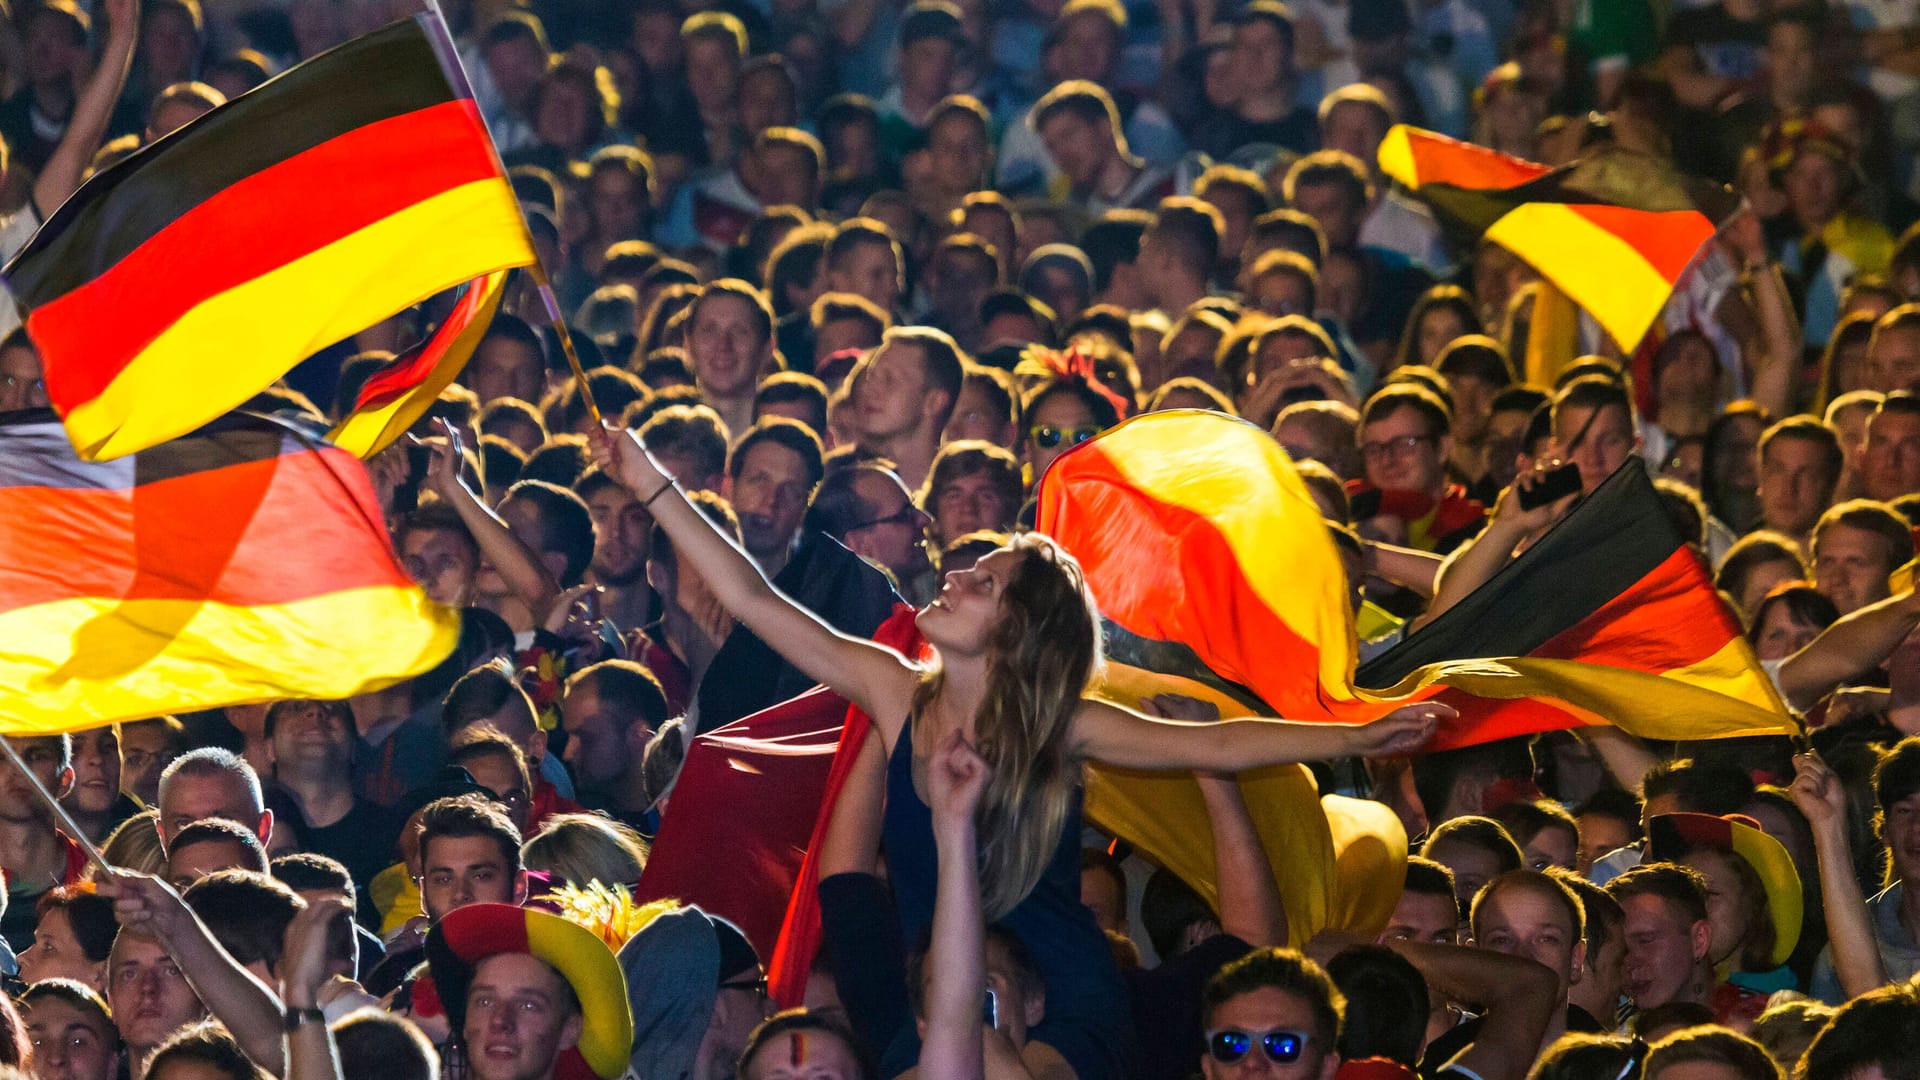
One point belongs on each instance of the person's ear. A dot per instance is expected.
(570, 1031)
(63, 785)
(1579, 970)
(264, 828)
(1036, 1007)
(537, 743)
(520, 886)
(1329, 1065)
(1702, 938)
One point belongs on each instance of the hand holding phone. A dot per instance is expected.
(1552, 486)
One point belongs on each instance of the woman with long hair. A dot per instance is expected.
(1014, 646)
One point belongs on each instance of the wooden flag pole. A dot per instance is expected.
(566, 342)
(60, 814)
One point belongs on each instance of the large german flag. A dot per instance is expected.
(1614, 230)
(182, 281)
(403, 391)
(245, 562)
(1199, 540)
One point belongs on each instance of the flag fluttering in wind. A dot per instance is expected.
(403, 391)
(245, 562)
(1613, 231)
(1198, 538)
(182, 281)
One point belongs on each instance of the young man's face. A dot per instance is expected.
(1523, 920)
(521, 1016)
(70, 1043)
(1265, 1010)
(457, 871)
(1663, 950)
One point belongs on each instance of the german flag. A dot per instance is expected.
(1199, 540)
(1614, 230)
(180, 282)
(403, 391)
(1610, 618)
(242, 563)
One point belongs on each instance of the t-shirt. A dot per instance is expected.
(1167, 1007)
(1221, 134)
(362, 841)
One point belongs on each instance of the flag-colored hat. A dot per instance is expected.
(468, 935)
(1669, 836)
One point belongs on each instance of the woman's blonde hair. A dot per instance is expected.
(1041, 655)
(580, 848)
(135, 845)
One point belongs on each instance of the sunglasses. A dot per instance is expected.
(1046, 436)
(1230, 1045)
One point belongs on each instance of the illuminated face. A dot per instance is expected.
(1526, 920)
(520, 1017)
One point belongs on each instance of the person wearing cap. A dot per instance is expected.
(697, 992)
(1754, 905)
(529, 995)
(1819, 171)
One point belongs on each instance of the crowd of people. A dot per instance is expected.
(846, 277)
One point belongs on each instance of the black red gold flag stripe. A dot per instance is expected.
(245, 562)
(188, 277)
(1614, 230)
(400, 393)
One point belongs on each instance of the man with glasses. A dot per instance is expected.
(867, 507)
(1272, 1013)
(34, 855)
(1405, 440)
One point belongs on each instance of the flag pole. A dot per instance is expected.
(60, 814)
(448, 53)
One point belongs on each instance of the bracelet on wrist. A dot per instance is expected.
(670, 485)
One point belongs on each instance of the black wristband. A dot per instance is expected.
(296, 1017)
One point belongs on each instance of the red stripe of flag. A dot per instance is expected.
(271, 218)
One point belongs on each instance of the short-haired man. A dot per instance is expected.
(151, 998)
(609, 711)
(212, 783)
(865, 259)
(1890, 456)
(771, 473)
(868, 508)
(35, 856)
(490, 695)
(1427, 911)
(1272, 1010)
(1532, 914)
(1267, 110)
(1668, 935)
(207, 847)
(973, 486)
(1178, 253)
(1355, 118)
(1406, 437)
(622, 529)
(1875, 1035)
(530, 995)
(311, 744)
(71, 1032)
(906, 394)
(1893, 352)
(1080, 127)
(95, 801)
(690, 442)
(469, 853)
(1593, 427)
(1800, 462)
(1856, 545)
(147, 747)
(730, 343)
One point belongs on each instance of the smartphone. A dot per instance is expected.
(1555, 485)
(991, 1011)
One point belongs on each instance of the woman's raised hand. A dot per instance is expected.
(956, 777)
(621, 456)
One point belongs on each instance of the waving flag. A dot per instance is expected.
(1614, 230)
(403, 391)
(1199, 539)
(182, 281)
(243, 563)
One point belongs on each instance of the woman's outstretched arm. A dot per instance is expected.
(877, 679)
(1118, 736)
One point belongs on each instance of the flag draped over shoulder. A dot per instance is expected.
(1614, 230)
(1198, 538)
(245, 562)
(400, 393)
(174, 286)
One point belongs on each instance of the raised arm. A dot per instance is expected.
(147, 905)
(877, 679)
(1250, 907)
(1848, 649)
(1855, 947)
(956, 959)
(512, 559)
(1119, 736)
(311, 1053)
(1482, 557)
(91, 112)
(1519, 997)
(1775, 356)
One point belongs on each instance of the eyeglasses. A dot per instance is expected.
(757, 987)
(1046, 436)
(908, 514)
(1230, 1045)
(1393, 448)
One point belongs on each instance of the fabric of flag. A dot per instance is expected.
(177, 284)
(243, 563)
(1198, 539)
(1611, 617)
(1614, 230)
(402, 392)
